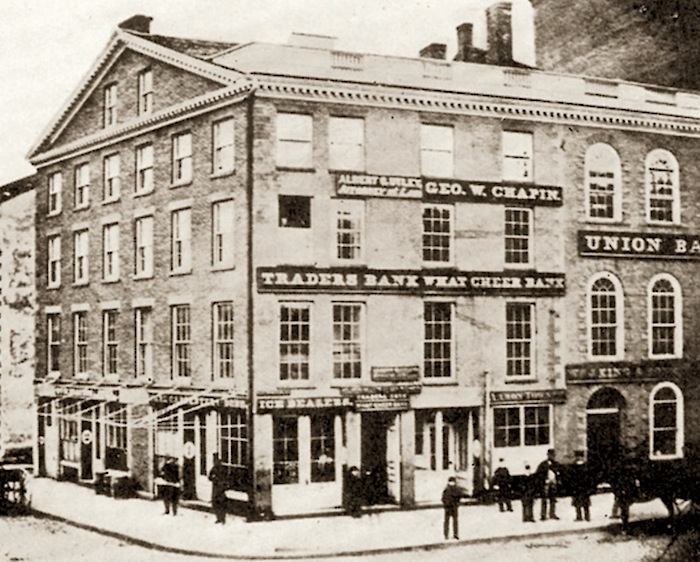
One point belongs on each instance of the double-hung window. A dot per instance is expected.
(110, 255)
(81, 195)
(81, 249)
(143, 247)
(518, 236)
(294, 140)
(54, 262)
(349, 219)
(663, 194)
(110, 105)
(55, 192)
(223, 147)
(665, 317)
(112, 179)
(603, 198)
(181, 237)
(80, 342)
(437, 234)
(285, 450)
(110, 343)
(346, 144)
(222, 234)
(437, 151)
(606, 326)
(517, 156)
(347, 340)
(144, 342)
(182, 158)
(144, 169)
(294, 342)
(181, 340)
(666, 416)
(223, 339)
(520, 330)
(53, 340)
(145, 92)
(438, 340)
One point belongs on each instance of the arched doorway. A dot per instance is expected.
(603, 421)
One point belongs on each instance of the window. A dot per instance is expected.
(54, 262)
(294, 211)
(322, 448)
(233, 439)
(110, 256)
(55, 190)
(519, 339)
(347, 341)
(348, 230)
(666, 417)
(294, 341)
(145, 92)
(81, 197)
(143, 247)
(112, 181)
(223, 339)
(285, 450)
(294, 140)
(437, 234)
(144, 169)
(662, 187)
(144, 342)
(436, 151)
(603, 190)
(69, 417)
(223, 157)
(181, 338)
(182, 158)
(517, 156)
(605, 317)
(346, 144)
(521, 426)
(222, 234)
(110, 342)
(181, 258)
(81, 249)
(53, 338)
(665, 317)
(437, 346)
(110, 105)
(80, 340)
(518, 236)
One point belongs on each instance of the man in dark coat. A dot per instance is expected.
(219, 483)
(548, 473)
(170, 490)
(527, 498)
(354, 491)
(581, 487)
(451, 496)
(501, 484)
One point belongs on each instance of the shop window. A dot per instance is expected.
(294, 140)
(518, 236)
(285, 450)
(519, 339)
(322, 448)
(80, 340)
(294, 342)
(517, 156)
(168, 441)
(663, 193)
(116, 436)
(233, 439)
(223, 339)
(437, 151)
(536, 426)
(666, 422)
(69, 417)
(55, 192)
(521, 426)
(605, 316)
(665, 317)
(81, 194)
(294, 211)
(53, 333)
(437, 346)
(346, 144)
(347, 341)
(603, 197)
(81, 250)
(437, 234)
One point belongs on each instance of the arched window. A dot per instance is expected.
(603, 189)
(666, 422)
(662, 187)
(665, 317)
(605, 317)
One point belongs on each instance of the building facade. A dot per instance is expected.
(304, 260)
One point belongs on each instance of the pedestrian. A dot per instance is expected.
(548, 478)
(170, 490)
(218, 476)
(582, 487)
(527, 497)
(354, 491)
(451, 496)
(502, 485)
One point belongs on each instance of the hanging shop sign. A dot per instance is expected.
(549, 396)
(623, 372)
(419, 282)
(302, 403)
(593, 243)
(409, 373)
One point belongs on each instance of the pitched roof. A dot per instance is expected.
(193, 47)
(16, 187)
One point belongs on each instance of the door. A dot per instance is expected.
(86, 446)
(189, 490)
(374, 457)
(603, 436)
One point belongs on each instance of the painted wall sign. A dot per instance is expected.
(621, 372)
(367, 185)
(418, 282)
(638, 245)
(410, 373)
(373, 402)
(288, 403)
(555, 395)
(88, 393)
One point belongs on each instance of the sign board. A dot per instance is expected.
(592, 243)
(368, 185)
(374, 402)
(188, 450)
(313, 402)
(409, 373)
(621, 372)
(555, 395)
(86, 437)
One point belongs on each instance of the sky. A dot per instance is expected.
(49, 45)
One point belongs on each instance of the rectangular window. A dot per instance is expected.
(145, 92)
(517, 156)
(144, 343)
(116, 437)
(346, 144)
(222, 234)
(437, 234)
(69, 416)
(437, 347)
(143, 247)
(436, 151)
(110, 105)
(519, 339)
(112, 180)
(285, 450)
(322, 448)
(81, 249)
(294, 341)
(110, 342)
(518, 236)
(181, 236)
(518, 426)
(223, 147)
(294, 211)
(80, 340)
(53, 337)
(223, 339)
(233, 439)
(181, 340)
(82, 186)
(55, 191)
(348, 234)
(110, 256)
(294, 140)
(182, 158)
(54, 261)
(144, 169)
(347, 341)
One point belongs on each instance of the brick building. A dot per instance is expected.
(304, 259)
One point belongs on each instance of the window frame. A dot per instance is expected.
(429, 250)
(143, 342)
(344, 350)
(432, 149)
(81, 256)
(181, 241)
(55, 193)
(514, 237)
(603, 155)
(232, 436)
(430, 360)
(679, 426)
(321, 442)
(510, 154)
(110, 343)
(677, 325)
(181, 363)
(182, 170)
(290, 134)
(145, 91)
(223, 338)
(223, 152)
(109, 113)
(111, 184)
(619, 315)
(512, 359)
(349, 239)
(223, 234)
(145, 166)
(143, 247)
(80, 343)
(286, 208)
(675, 199)
(522, 426)
(81, 186)
(53, 259)
(346, 149)
(299, 370)
(110, 252)
(289, 462)
(53, 343)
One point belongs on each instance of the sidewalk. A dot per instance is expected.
(194, 532)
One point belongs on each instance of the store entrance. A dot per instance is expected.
(603, 417)
(374, 456)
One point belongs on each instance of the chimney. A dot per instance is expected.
(137, 23)
(499, 34)
(464, 41)
(434, 51)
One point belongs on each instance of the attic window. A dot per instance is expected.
(146, 92)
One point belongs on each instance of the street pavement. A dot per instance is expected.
(194, 532)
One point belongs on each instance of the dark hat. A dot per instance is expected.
(452, 479)
(578, 454)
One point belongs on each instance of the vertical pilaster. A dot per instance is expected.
(407, 427)
(262, 464)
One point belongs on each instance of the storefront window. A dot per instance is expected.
(518, 426)
(233, 439)
(68, 430)
(285, 450)
(116, 431)
(322, 449)
(666, 415)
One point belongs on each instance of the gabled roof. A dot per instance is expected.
(193, 47)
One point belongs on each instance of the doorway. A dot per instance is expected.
(374, 456)
(604, 421)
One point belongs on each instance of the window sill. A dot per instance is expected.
(143, 193)
(142, 276)
(664, 357)
(593, 220)
(519, 380)
(177, 184)
(81, 283)
(664, 224)
(111, 201)
(81, 208)
(110, 281)
(53, 287)
(222, 267)
(295, 385)
(665, 457)
(430, 381)
(53, 213)
(180, 272)
(181, 381)
(222, 174)
(292, 169)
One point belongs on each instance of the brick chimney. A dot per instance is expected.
(137, 23)
(466, 51)
(499, 34)
(434, 51)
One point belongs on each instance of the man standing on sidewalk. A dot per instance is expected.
(171, 487)
(548, 477)
(451, 496)
(501, 484)
(219, 482)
